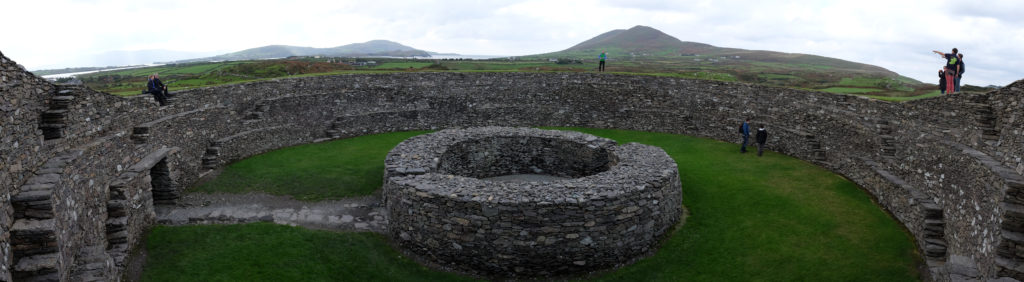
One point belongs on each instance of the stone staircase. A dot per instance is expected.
(934, 225)
(165, 189)
(886, 141)
(257, 112)
(817, 151)
(335, 130)
(54, 120)
(211, 157)
(33, 234)
(1010, 248)
(212, 154)
(1009, 255)
(985, 117)
(93, 264)
(117, 222)
(934, 230)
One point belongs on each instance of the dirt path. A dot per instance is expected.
(352, 214)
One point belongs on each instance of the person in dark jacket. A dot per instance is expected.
(942, 82)
(960, 71)
(761, 137)
(157, 88)
(745, 130)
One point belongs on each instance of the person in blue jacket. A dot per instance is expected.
(604, 56)
(745, 130)
(960, 71)
(157, 88)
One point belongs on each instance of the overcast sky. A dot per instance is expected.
(894, 34)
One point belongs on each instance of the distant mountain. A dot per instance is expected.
(638, 39)
(643, 42)
(112, 59)
(142, 57)
(369, 48)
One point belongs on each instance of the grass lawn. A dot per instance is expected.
(403, 65)
(330, 170)
(773, 218)
(935, 93)
(270, 252)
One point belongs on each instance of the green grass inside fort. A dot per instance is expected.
(331, 170)
(772, 218)
(270, 252)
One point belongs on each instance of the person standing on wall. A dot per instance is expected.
(745, 131)
(604, 56)
(157, 88)
(960, 70)
(952, 64)
(942, 82)
(761, 138)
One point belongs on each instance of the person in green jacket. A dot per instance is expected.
(600, 67)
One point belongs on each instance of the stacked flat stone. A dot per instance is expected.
(614, 207)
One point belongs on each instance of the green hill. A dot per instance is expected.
(369, 48)
(638, 39)
(641, 48)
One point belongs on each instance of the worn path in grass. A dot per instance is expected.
(350, 214)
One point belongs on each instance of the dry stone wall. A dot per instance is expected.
(614, 204)
(948, 168)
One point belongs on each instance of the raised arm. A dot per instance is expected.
(940, 53)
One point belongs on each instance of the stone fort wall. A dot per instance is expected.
(82, 169)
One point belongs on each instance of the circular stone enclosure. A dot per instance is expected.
(609, 204)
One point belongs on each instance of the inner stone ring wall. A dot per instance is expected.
(611, 206)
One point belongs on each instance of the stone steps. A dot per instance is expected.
(42, 267)
(165, 190)
(1010, 268)
(140, 134)
(117, 215)
(934, 234)
(117, 223)
(334, 131)
(53, 121)
(986, 119)
(34, 204)
(258, 111)
(32, 237)
(817, 150)
(119, 253)
(210, 157)
(1010, 249)
(887, 142)
(92, 264)
(33, 234)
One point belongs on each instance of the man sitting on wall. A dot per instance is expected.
(157, 88)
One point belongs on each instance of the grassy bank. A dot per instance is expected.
(270, 252)
(330, 170)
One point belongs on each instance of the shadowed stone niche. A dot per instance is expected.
(522, 202)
